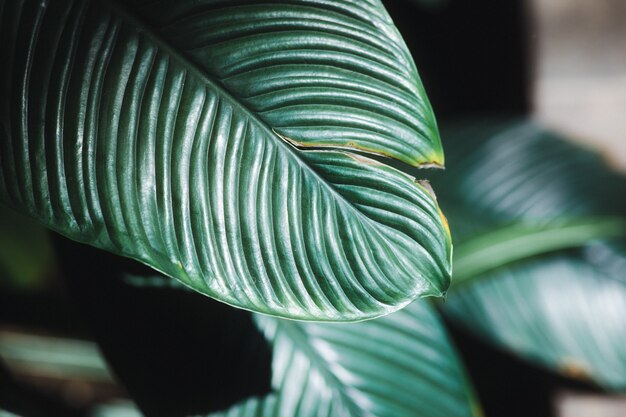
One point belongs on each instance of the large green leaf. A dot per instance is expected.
(563, 310)
(399, 365)
(167, 131)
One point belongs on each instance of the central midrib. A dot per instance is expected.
(231, 99)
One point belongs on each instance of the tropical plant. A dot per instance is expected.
(563, 309)
(221, 143)
(244, 148)
(528, 281)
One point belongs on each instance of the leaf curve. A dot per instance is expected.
(399, 365)
(113, 138)
(322, 73)
(564, 310)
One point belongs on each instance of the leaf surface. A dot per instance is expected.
(562, 313)
(321, 73)
(165, 132)
(564, 310)
(399, 365)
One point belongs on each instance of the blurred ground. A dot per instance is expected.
(580, 68)
(576, 405)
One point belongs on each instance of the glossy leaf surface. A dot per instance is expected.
(321, 73)
(562, 310)
(399, 365)
(164, 132)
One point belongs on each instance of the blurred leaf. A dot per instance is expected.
(560, 310)
(399, 365)
(117, 409)
(187, 135)
(26, 257)
(523, 240)
(53, 356)
(503, 170)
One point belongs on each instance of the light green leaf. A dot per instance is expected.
(399, 365)
(165, 131)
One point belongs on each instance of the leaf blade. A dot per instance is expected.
(330, 85)
(399, 365)
(124, 144)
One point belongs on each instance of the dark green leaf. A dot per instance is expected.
(564, 310)
(322, 74)
(165, 131)
(399, 365)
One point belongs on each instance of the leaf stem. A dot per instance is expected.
(522, 240)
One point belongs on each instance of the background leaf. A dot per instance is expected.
(26, 256)
(505, 169)
(562, 310)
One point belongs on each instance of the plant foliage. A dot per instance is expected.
(220, 143)
(563, 308)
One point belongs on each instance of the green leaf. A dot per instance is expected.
(564, 310)
(562, 313)
(175, 133)
(399, 365)
(502, 170)
(26, 254)
(324, 74)
(523, 240)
